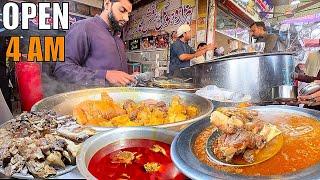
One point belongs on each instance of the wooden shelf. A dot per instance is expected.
(232, 37)
(149, 50)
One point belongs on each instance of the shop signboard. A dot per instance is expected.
(147, 43)
(265, 6)
(162, 41)
(158, 16)
(134, 44)
(312, 18)
(192, 3)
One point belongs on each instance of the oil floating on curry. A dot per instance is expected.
(299, 151)
(134, 159)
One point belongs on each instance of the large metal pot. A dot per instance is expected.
(254, 75)
(185, 160)
(65, 102)
(285, 93)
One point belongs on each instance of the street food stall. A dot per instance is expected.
(236, 115)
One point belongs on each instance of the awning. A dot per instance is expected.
(312, 18)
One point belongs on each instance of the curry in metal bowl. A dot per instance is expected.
(299, 155)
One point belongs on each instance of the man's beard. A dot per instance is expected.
(114, 23)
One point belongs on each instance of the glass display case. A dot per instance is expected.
(231, 27)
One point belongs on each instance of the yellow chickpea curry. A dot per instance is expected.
(300, 149)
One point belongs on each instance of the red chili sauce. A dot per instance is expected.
(137, 157)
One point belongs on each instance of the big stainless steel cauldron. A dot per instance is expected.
(254, 75)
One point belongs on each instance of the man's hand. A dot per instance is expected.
(200, 53)
(310, 100)
(211, 47)
(119, 78)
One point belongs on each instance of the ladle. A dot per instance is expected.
(270, 150)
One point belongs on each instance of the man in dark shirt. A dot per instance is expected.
(95, 54)
(272, 42)
(181, 53)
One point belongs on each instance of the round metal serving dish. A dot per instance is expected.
(99, 141)
(64, 103)
(185, 160)
(174, 84)
(60, 172)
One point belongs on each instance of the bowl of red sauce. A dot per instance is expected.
(129, 153)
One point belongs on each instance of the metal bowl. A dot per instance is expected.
(185, 160)
(285, 93)
(99, 141)
(65, 102)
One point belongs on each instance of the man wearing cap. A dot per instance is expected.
(181, 53)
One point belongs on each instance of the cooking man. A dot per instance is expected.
(95, 54)
(181, 53)
(272, 42)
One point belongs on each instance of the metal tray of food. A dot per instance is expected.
(59, 172)
(175, 84)
(28, 176)
(64, 103)
(182, 152)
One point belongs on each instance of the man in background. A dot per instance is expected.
(95, 54)
(272, 42)
(181, 53)
(199, 59)
(312, 68)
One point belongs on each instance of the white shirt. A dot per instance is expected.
(197, 60)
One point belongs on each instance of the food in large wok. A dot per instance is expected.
(40, 144)
(243, 136)
(300, 147)
(108, 113)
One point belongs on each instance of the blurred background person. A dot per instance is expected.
(312, 69)
(201, 58)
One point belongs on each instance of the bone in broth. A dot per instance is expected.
(300, 150)
(134, 159)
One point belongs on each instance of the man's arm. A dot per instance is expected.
(195, 54)
(187, 57)
(77, 50)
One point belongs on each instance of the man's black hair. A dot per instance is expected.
(259, 24)
(173, 33)
(112, 1)
(201, 44)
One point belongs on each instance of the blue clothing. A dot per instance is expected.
(178, 48)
